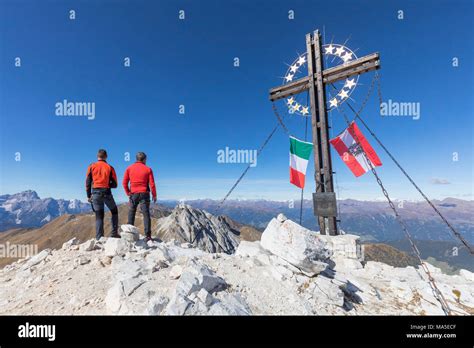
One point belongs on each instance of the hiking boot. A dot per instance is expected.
(115, 235)
(147, 239)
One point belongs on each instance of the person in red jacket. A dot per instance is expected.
(100, 179)
(141, 180)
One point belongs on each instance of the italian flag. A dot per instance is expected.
(299, 156)
(351, 146)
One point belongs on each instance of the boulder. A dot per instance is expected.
(176, 271)
(115, 297)
(130, 285)
(36, 259)
(116, 246)
(159, 254)
(205, 297)
(281, 218)
(129, 269)
(156, 305)
(230, 304)
(178, 305)
(70, 243)
(88, 246)
(129, 233)
(81, 260)
(106, 260)
(326, 292)
(297, 245)
(198, 276)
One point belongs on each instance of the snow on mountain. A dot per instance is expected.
(27, 209)
(292, 271)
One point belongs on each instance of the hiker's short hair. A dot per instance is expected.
(102, 154)
(141, 156)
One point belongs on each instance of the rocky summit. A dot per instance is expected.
(291, 271)
(198, 228)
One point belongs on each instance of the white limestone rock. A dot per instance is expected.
(129, 233)
(115, 297)
(230, 304)
(281, 272)
(199, 276)
(129, 269)
(36, 259)
(160, 254)
(326, 292)
(257, 281)
(156, 305)
(70, 243)
(88, 246)
(116, 246)
(249, 249)
(131, 284)
(81, 260)
(281, 218)
(205, 297)
(469, 276)
(297, 245)
(178, 305)
(176, 272)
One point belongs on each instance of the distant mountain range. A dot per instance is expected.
(25, 215)
(372, 220)
(27, 209)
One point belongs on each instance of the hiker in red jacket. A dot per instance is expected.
(100, 179)
(141, 181)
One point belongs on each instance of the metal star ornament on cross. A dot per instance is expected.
(334, 54)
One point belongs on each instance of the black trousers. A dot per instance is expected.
(144, 200)
(101, 197)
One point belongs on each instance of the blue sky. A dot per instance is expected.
(191, 62)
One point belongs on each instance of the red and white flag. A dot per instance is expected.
(351, 145)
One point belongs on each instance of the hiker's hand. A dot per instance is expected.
(89, 199)
(154, 200)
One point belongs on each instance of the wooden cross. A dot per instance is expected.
(324, 199)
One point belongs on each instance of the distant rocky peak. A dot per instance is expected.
(27, 195)
(198, 228)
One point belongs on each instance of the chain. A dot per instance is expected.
(436, 292)
(456, 233)
(250, 164)
(453, 230)
(371, 88)
(280, 119)
(357, 116)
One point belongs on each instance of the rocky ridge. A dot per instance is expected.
(292, 271)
